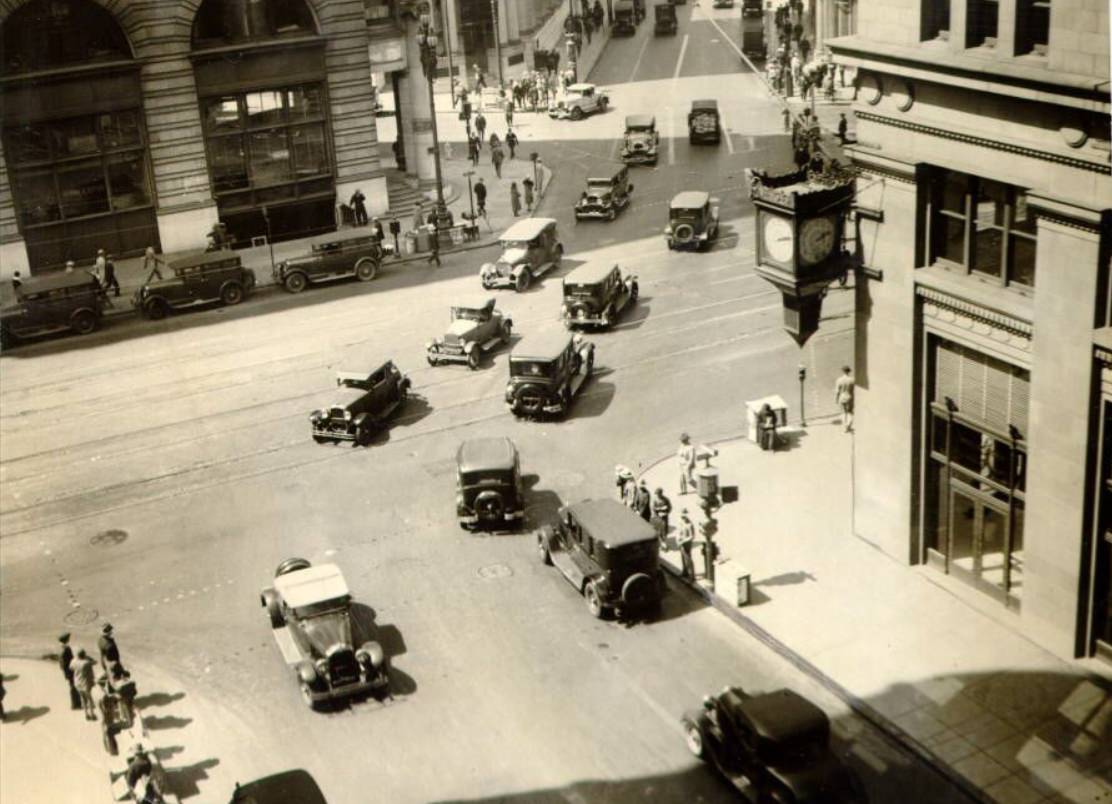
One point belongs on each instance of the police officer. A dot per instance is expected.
(686, 457)
(662, 510)
(65, 659)
(686, 541)
(109, 652)
(643, 503)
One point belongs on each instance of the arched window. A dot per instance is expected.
(54, 34)
(221, 22)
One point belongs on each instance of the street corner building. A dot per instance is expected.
(984, 302)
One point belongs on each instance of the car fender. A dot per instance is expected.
(516, 270)
(547, 536)
(487, 269)
(317, 415)
(306, 672)
(361, 419)
(600, 583)
(374, 652)
(469, 347)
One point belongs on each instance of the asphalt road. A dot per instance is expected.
(153, 474)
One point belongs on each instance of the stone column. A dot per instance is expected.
(13, 248)
(415, 92)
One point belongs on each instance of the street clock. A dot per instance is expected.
(800, 222)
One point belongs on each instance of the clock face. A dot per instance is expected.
(779, 239)
(816, 240)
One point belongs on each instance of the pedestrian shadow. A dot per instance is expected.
(165, 752)
(184, 781)
(25, 714)
(6, 677)
(163, 722)
(158, 699)
(786, 579)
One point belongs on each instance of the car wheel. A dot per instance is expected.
(559, 253)
(307, 696)
(291, 565)
(366, 269)
(273, 608)
(523, 279)
(156, 309)
(507, 331)
(232, 293)
(7, 340)
(634, 292)
(542, 548)
(473, 358)
(295, 283)
(576, 113)
(594, 601)
(431, 358)
(83, 322)
(693, 736)
(362, 437)
(487, 284)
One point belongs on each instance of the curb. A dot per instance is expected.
(898, 736)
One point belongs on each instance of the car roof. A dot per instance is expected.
(340, 235)
(527, 229)
(289, 787)
(705, 103)
(590, 273)
(611, 522)
(311, 585)
(690, 199)
(642, 120)
(542, 345)
(580, 87)
(782, 716)
(54, 280)
(201, 258)
(486, 453)
(476, 303)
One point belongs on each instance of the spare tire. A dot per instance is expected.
(638, 591)
(529, 399)
(489, 506)
(683, 233)
(291, 565)
(580, 311)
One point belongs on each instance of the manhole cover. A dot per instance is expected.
(109, 538)
(493, 571)
(81, 617)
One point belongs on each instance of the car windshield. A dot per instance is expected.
(485, 477)
(633, 555)
(580, 289)
(800, 750)
(532, 368)
(468, 314)
(322, 608)
(522, 244)
(599, 185)
(686, 214)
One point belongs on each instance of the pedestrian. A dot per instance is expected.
(109, 651)
(515, 199)
(662, 510)
(99, 267)
(511, 142)
(643, 502)
(395, 230)
(434, 255)
(476, 145)
(480, 126)
(686, 457)
(480, 78)
(527, 186)
(496, 158)
(151, 261)
(787, 113)
(509, 113)
(842, 76)
(65, 660)
(766, 428)
(843, 128)
(110, 280)
(480, 196)
(82, 669)
(622, 478)
(376, 230)
(804, 48)
(121, 683)
(843, 395)
(139, 773)
(685, 538)
(495, 141)
(358, 205)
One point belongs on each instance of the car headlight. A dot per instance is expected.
(668, 229)
(430, 346)
(322, 668)
(347, 415)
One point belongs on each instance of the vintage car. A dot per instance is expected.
(595, 295)
(489, 493)
(753, 7)
(703, 122)
(606, 195)
(609, 553)
(310, 614)
(773, 747)
(664, 19)
(530, 248)
(361, 405)
(546, 372)
(625, 18)
(198, 279)
(641, 139)
(349, 252)
(723, 4)
(288, 787)
(41, 305)
(475, 328)
(692, 220)
(578, 101)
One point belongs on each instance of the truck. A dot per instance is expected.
(703, 123)
(753, 37)
(625, 19)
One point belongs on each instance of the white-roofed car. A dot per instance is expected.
(530, 248)
(475, 328)
(692, 220)
(578, 101)
(311, 618)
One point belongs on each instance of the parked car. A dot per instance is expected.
(606, 195)
(641, 140)
(489, 492)
(530, 248)
(753, 36)
(310, 616)
(609, 553)
(288, 787)
(773, 747)
(475, 328)
(48, 303)
(546, 372)
(362, 404)
(595, 295)
(723, 3)
(703, 122)
(198, 279)
(625, 18)
(578, 101)
(692, 220)
(336, 255)
(665, 19)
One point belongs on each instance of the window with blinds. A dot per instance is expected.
(985, 389)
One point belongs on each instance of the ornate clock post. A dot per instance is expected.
(799, 241)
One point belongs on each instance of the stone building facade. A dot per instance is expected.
(984, 379)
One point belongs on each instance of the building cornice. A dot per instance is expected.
(882, 166)
(984, 142)
(976, 312)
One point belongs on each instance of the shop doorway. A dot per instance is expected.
(978, 542)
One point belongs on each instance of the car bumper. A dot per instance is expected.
(559, 114)
(639, 156)
(447, 357)
(585, 321)
(475, 519)
(335, 435)
(594, 212)
(499, 281)
(375, 682)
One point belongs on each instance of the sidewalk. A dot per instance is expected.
(1005, 719)
(131, 276)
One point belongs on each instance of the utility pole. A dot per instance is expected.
(497, 40)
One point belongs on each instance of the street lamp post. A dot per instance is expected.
(470, 195)
(497, 40)
(269, 239)
(448, 48)
(802, 380)
(426, 42)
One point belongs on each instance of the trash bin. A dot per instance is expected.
(743, 589)
(410, 246)
(707, 480)
(424, 240)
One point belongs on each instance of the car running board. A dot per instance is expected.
(287, 646)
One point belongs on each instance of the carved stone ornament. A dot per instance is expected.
(902, 95)
(1073, 136)
(871, 89)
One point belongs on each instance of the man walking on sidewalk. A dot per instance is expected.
(496, 159)
(686, 456)
(643, 502)
(65, 661)
(82, 669)
(686, 541)
(110, 280)
(480, 126)
(843, 395)
(662, 510)
(515, 199)
(481, 196)
(843, 127)
(511, 142)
